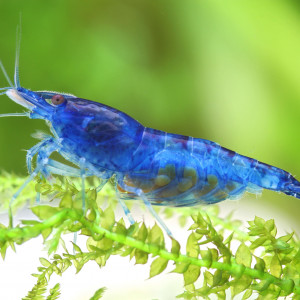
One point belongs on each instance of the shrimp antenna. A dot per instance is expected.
(18, 42)
(6, 75)
(25, 114)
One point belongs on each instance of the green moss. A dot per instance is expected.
(264, 264)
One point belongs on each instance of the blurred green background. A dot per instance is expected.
(227, 71)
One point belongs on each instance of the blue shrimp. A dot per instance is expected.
(157, 167)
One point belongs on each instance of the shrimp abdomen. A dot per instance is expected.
(250, 172)
(183, 171)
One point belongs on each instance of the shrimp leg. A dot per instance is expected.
(153, 212)
(103, 175)
(46, 143)
(39, 167)
(58, 168)
(82, 176)
(14, 197)
(141, 194)
(48, 147)
(125, 208)
(47, 166)
(35, 149)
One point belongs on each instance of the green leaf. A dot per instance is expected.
(259, 221)
(157, 266)
(182, 220)
(44, 211)
(229, 238)
(208, 278)
(98, 294)
(91, 216)
(256, 231)
(37, 291)
(193, 226)
(247, 294)
(108, 218)
(221, 295)
(217, 277)
(45, 262)
(92, 195)
(76, 248)
(261, 286)
(243, 255)
(3, 249)
(275, 267)
(269, 225)
(200, 220)
(181, 267)
(120, 228)
(287, 286)
(86, 232)
(241, 284)
(54, 292)
(214, 254)
(156, 236)
(192, 247)
(207, 256)
(142, 233)
(52, 244)
(132, 229)
(66, 265)
(191, 274)
(66, 201)
(260, 264)
(46, 232)
(105, 244)
(281, 245)
(258, 242)
(141, 257)
(175, 247)
(30, 222)
(287, 237)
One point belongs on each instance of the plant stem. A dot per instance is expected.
(20, 234)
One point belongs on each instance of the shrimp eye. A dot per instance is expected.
(58, 99)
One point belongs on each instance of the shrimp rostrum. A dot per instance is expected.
(157, 167)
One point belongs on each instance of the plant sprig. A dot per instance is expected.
(263, 264)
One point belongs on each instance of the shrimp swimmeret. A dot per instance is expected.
(158, 167)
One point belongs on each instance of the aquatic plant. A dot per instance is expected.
(219, 258)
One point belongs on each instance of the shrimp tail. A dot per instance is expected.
(275, 179)
(292, 188)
